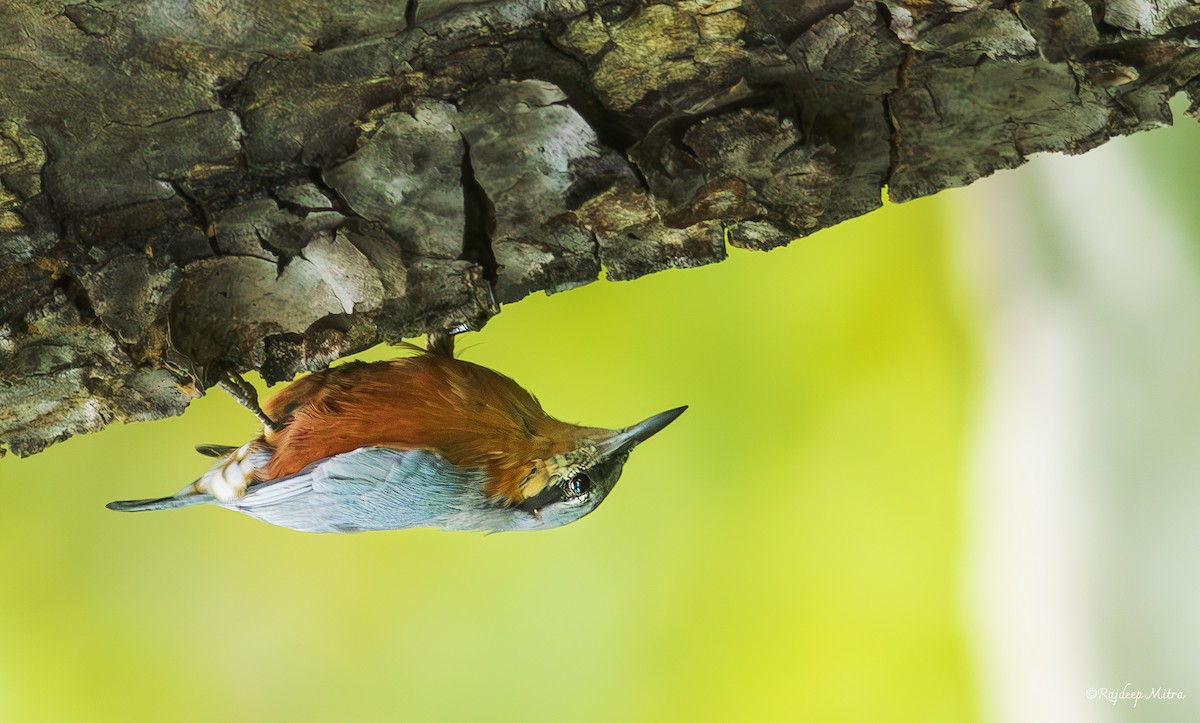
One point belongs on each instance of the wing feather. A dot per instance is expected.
(372, 488)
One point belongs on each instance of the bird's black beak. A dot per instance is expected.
(623, 440)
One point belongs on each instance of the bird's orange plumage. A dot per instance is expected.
(471, 415)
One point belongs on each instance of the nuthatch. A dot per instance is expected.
(423, 441)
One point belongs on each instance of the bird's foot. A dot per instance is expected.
(228, 480)
(244, 393)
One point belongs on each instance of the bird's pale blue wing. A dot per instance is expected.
(373, 488)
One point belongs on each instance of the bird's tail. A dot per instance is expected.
(234, 468)
(161, 503)
(186, 497)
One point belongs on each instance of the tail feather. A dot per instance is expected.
(216, 450)
(161, 503)
(190, 494)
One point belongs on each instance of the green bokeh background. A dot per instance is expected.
(786, 548)
(790, 549)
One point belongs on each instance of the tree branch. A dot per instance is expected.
(225, 187)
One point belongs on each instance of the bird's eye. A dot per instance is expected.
(578, 485)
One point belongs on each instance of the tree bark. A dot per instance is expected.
(193, 189)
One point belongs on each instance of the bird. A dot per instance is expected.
(423, 440)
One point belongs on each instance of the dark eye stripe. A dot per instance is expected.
(550, 495)
(576, 487)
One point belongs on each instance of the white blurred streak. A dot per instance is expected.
(1083, 487)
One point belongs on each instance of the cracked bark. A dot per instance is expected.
(192, 189)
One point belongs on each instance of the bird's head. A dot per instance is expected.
(568, 485)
